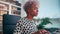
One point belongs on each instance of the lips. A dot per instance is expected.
(36, 13)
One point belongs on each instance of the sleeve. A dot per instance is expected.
(18, 28)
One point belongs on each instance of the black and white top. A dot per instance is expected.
(25, 26)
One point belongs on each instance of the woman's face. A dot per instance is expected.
(34, 10)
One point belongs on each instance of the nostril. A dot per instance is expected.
(37, 10)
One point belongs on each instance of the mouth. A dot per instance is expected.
(37, 13)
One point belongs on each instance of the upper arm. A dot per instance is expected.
(18, 28)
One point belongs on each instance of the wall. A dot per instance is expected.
(49, 8)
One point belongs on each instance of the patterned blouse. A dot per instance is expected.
(25, 26)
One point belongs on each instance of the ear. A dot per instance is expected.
(28, 10)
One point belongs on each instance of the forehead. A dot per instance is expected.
(35, 6)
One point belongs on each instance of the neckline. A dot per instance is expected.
(28, 19)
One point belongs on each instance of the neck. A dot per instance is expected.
(30, 17)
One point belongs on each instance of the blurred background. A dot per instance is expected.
(49, 13)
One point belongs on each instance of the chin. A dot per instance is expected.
(35, 15)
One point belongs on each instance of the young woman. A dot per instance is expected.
(26, 25)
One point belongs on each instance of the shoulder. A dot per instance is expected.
(21, 20)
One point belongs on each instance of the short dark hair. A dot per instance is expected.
(29, 4)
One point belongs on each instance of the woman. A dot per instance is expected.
(26, 25)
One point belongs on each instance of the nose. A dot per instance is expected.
(37, 10)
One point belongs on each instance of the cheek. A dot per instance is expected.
(35, 11)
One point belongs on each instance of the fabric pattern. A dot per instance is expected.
(25, 26)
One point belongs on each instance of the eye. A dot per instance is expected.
(35, 8)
